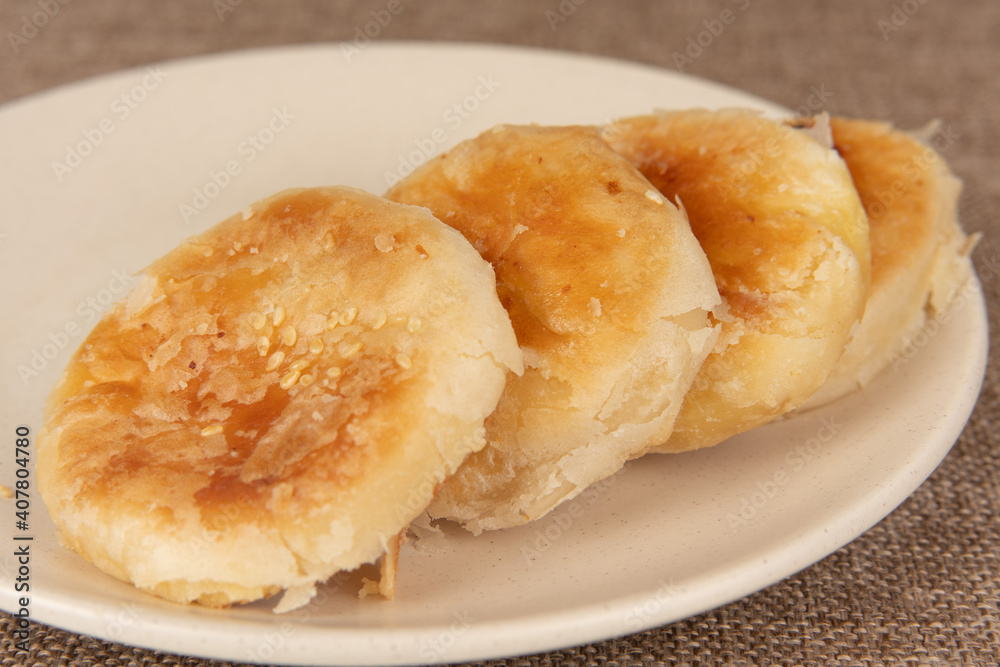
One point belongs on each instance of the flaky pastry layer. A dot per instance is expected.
(608, 292)
(277, 398)
(785, 232)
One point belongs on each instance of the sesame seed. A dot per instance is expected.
(380, 320)
(258, 321)
(621, 232)
(209, 252)
(333, 372)
(384, 242)
(289, 335)
(348, 316)
(202, 328)
(654, 196)
(317, 416)
(253, 250)
(306, 380)
(278, 316)
(316, 346)
(331, 324)
(414, 324)
(263, 345)
(247, 212)
(351, 350)
(275, 360)
(215, 429)
(298, 366)
(403, 360)
(328, 241)
(289, 380)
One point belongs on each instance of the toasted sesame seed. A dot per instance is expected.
(414, 324)
(347, 317)
(328, 241)
(380, 319)
(306, 380)
(258, 321)
(298, 366)
(289, 335)
(384, 242)
(215, 429)
(263, 345)
(247, 212)
(278, 316)
(289, 380)
(403, 360)
(331, 324)
(333, 371)
(654, 196)
(202, 328)
(316, 346)
(350, 350)
(275, 360)
(621, 232)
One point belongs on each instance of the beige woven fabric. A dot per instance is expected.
(922, 587)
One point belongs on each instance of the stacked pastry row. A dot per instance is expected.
(281, 396)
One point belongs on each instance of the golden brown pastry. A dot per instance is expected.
(919, 251)
(787, 237)
(276, 400)
(609, 294)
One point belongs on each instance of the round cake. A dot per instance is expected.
(609, 294)
(276, 400)
(783, 227)
(919, 251)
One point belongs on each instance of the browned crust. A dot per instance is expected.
(787, 238)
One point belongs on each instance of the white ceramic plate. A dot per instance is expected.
(94, 182)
